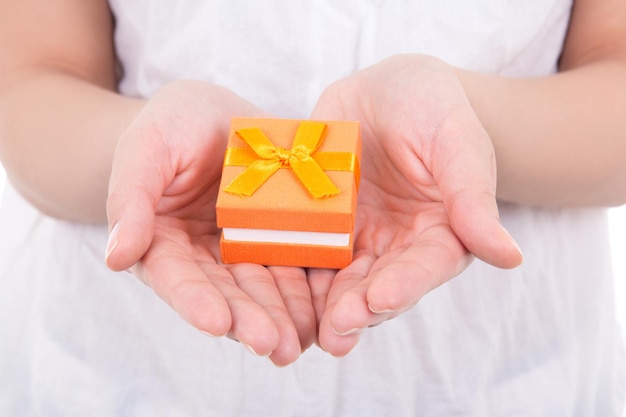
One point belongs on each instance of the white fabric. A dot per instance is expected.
(541, 340)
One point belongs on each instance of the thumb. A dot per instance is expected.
(474, 219)
(466, 174)
(139, 176)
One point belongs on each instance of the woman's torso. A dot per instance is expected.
(535, 341)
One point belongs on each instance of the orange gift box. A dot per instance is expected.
(288, 193)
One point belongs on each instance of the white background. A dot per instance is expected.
(618, 241)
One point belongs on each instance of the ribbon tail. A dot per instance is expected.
(339, 161)
(313, 178)
(256, 139)
(246, 183)
(309, 135)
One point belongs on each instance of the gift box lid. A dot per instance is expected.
(283, 201)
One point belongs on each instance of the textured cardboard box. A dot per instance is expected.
(280, 222)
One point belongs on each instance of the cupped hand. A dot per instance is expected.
(161, 211)
(427, 199)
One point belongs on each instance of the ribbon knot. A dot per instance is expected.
(271, 158)
(284, 155)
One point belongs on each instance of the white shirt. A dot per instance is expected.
(540, 340)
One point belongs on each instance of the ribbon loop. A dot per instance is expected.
(309, 136)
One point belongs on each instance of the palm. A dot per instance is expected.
(162, 196)
(427, 191)
(395, 207)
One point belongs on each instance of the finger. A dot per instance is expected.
(392, 285)
(294, 290)
(464, 167)
(281, 343)
(183, 285)
(320, 281)
(353, 311)
(205, 295)
(140, 172)
(401, 278)
(346, 313)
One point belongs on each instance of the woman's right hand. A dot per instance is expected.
(161, 212)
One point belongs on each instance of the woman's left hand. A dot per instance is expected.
(427, 199)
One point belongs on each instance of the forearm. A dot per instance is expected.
(560, 140)
(57, 137)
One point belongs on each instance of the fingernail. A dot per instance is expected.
(254, 352)
(133, 270)
(355, 330)
(514, 243)
(209, 334)
(113, 241)
(379, 311)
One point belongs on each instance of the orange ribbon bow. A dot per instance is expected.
(308, 165)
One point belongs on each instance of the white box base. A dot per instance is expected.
(287, 236)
